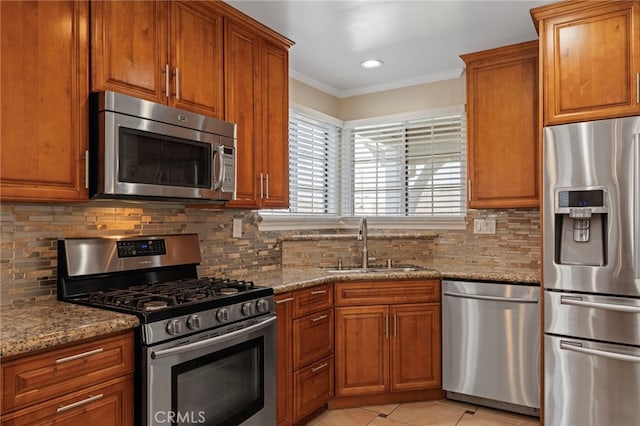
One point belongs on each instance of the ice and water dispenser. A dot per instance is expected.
(581, 227)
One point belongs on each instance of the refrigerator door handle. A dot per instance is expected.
(491, 298)
(577, 301)
(577, 347)
(636, 220)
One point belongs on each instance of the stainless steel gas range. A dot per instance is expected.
(206, 346)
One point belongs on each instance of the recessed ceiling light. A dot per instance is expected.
(371, 64)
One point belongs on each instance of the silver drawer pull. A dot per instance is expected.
(79, 403)
(318, 368)
(577, 301)
(321, 317)
(288, 299)
(319, 292)
(577, 347)
(78, 356)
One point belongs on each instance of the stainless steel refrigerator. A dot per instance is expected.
(591, 264)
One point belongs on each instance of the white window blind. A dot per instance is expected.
(313, 165)
(412, 168)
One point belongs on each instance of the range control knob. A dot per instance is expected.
(262, 305)
(193, 322)
(174, 327)
(222, 315)
(248, 309)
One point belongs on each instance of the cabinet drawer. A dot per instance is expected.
(387, 292)
(108, 404)
(312, 337)
(313, 387)
(31, 379)
(312, 299)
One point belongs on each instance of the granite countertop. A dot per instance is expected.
(289, 279)
(29, 326)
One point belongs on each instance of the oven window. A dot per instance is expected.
(153, 159)
(222, 388)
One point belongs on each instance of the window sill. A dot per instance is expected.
(335, 223)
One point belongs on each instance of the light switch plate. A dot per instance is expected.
(237, 228)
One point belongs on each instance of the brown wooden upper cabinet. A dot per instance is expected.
(590, 55)
(503, 127)
(165, 52)
(256, 74)
(44, 80)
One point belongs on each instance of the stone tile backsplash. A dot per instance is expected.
(29, 234)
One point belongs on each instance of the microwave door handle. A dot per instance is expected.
(217, 182)
(221, 173)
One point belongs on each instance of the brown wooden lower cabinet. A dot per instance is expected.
(108, 404)
(284, 363)
(382, 348)
(313, 387)
(90, 382)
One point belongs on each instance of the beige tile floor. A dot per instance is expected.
(431, 413)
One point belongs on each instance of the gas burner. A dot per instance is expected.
(154, 305)
(227, 291)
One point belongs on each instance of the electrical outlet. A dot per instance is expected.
(484, 226)
(237, 228)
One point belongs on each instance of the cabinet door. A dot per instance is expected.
(275, 126)
(242, 106)
(362, 350)
(284, 367)
(195, 51)
(312, 337)
(108, 404)
(415, 347)
(44, 80)
(503, 134)
(129, 48)
(591, 61)
(313, 387)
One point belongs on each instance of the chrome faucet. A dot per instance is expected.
(362, 235)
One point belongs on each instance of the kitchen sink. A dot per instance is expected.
(359, 270)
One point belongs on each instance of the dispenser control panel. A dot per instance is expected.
(593, 198)
(572, 199)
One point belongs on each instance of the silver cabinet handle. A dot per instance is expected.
(177, 83)
(386, 326)
(86, 169)
(638, 87)
(577, 347)
(261, 186)
(78, 356)
(321, 317)
(166, 80)
(267, 186)
(288, 299)
(395, 325)
(79, 403)
(320, 367)
(469, 189)
(319, 292)
(491, 298)
(577, 301)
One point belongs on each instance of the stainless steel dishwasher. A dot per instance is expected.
(491, 344)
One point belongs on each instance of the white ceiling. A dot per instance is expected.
(419, 41)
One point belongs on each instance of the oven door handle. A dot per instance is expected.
(212, 341)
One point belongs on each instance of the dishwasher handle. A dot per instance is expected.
(490, 298)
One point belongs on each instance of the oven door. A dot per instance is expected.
(221, 377)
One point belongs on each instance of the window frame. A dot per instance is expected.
(274, 221)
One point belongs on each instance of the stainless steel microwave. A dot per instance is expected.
(143, 150)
